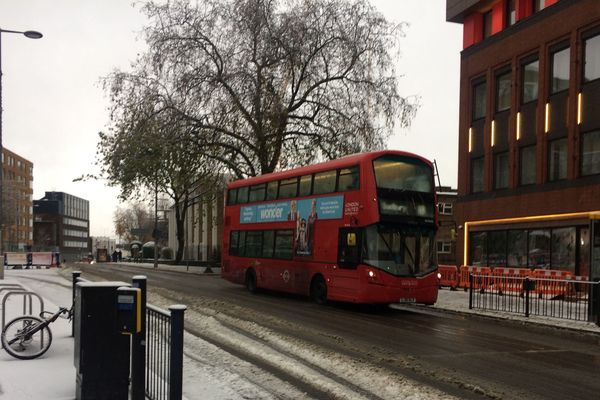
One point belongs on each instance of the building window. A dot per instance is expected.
(478, 249)
(563, 249)
(592, 58)
(445, 208)
(560, 70)
(531, 79)
(503, 92)
(479, 101)
(511, 13)
(527, 166)
(590, 157)
(444, 247)
(557, 160)
(487, 24)
(501, 170)
(477, 175)
(539, 248)
(517, 248)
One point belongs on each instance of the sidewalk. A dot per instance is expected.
(51, 376)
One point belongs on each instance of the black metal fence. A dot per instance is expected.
(164, 353)
(157, 351)
(555, 298)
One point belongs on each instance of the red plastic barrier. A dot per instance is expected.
(449, 276)
(510, 279)
(551, 282)
(481, 277)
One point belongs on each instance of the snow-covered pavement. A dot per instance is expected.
(209, 371)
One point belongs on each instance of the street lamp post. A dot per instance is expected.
(30, 35)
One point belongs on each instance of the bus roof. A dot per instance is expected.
(342, 162)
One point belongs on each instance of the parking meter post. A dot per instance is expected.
(75, 277)
(176, 357)
(138, 345)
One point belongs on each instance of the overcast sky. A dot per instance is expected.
(54, 106)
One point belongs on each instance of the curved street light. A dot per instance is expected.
(30, 35)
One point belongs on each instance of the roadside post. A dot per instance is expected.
(138, 345)
(75, 277)
(176, 359)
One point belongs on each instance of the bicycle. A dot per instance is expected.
(28, 337)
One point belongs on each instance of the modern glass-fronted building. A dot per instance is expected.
(61, 223)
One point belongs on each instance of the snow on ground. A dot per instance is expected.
(52, 376)
(209, 371)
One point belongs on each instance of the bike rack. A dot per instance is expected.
(26, 295)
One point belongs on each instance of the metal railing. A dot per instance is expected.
(556, 298)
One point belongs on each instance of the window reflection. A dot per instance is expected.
(539, 248)
(590, 158)
(560, 70)
(531, 78)
(563, 249)
(592, 58)
(557, 156)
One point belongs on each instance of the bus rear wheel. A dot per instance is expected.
(251, 280)
(318, 290)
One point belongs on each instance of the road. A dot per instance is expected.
(462, 356)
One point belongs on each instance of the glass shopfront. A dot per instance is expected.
(562, 248)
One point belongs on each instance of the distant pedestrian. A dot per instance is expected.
(119, 255)
(114, 256)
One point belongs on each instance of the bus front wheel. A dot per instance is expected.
(251, 280)
(318, 290)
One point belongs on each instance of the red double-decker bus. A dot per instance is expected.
(358, 229)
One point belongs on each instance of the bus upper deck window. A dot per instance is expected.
(288, 188)
(242, 196)
(305, 185)
(324, 182)
(272, 190)
(348, 179)
(257, 192)
(232, 196)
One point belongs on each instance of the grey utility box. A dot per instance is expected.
(102, 353)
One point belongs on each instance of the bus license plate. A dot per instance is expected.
(407, 300)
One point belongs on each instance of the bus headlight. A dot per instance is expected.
(371, 274)
(439, 276)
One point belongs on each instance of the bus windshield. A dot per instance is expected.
(399, 251)
(399, 173)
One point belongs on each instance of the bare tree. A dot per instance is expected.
(133, 216)
(267, 84)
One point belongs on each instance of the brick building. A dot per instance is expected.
(446, 234)
(17, 191)
(529, 134)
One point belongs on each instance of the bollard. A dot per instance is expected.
(75, 276)
(138, 347)
(176, 358)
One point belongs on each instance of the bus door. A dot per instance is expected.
(349, 254)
